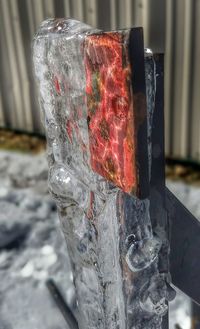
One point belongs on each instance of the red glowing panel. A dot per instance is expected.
(110, 109)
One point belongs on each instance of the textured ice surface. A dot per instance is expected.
(113, 250)
(35, 209)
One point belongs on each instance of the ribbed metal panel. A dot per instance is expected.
(182, 97)
(172, 25)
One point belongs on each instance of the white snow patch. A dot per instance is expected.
(27, 270)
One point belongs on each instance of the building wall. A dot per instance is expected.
(169, 25)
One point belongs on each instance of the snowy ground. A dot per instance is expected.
(32, 247)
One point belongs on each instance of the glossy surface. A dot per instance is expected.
(110, 108)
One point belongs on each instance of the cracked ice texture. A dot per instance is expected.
(109, 236)
(110, 108)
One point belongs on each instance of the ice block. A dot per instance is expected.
(97, 96)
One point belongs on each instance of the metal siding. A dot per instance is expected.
(177, 124)
(13, 91)
(168, 85)
(2, 122)
(194, 106)
(169, 24)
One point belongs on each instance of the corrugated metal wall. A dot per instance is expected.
(172, 25)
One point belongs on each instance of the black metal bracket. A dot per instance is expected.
(182, 226)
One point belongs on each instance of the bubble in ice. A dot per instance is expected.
(63, 185)
(142, 253)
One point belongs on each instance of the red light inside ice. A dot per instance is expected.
(110, 109)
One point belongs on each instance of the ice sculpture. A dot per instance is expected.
(97, 95)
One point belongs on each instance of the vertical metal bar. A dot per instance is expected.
(124, 8)
(38, 13)
(178, 69)
(77, 9)
(186, 81)
(103, 15)
(59, 8)
(158, 152)
(156, 21)
(7, 95)
(138, 12)
(49, 8)
(128, 16)
(17, 107)
(91, 12)
(168, 73)
(2, 122)
(157, 182)
(22, 70)
(145, 21)
(36, 16)
(136, 55)
(195, 98)
(27, 32)
(67, 8)
(30, 17)
(113, 14)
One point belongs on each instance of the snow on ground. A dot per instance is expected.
(32, 247)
